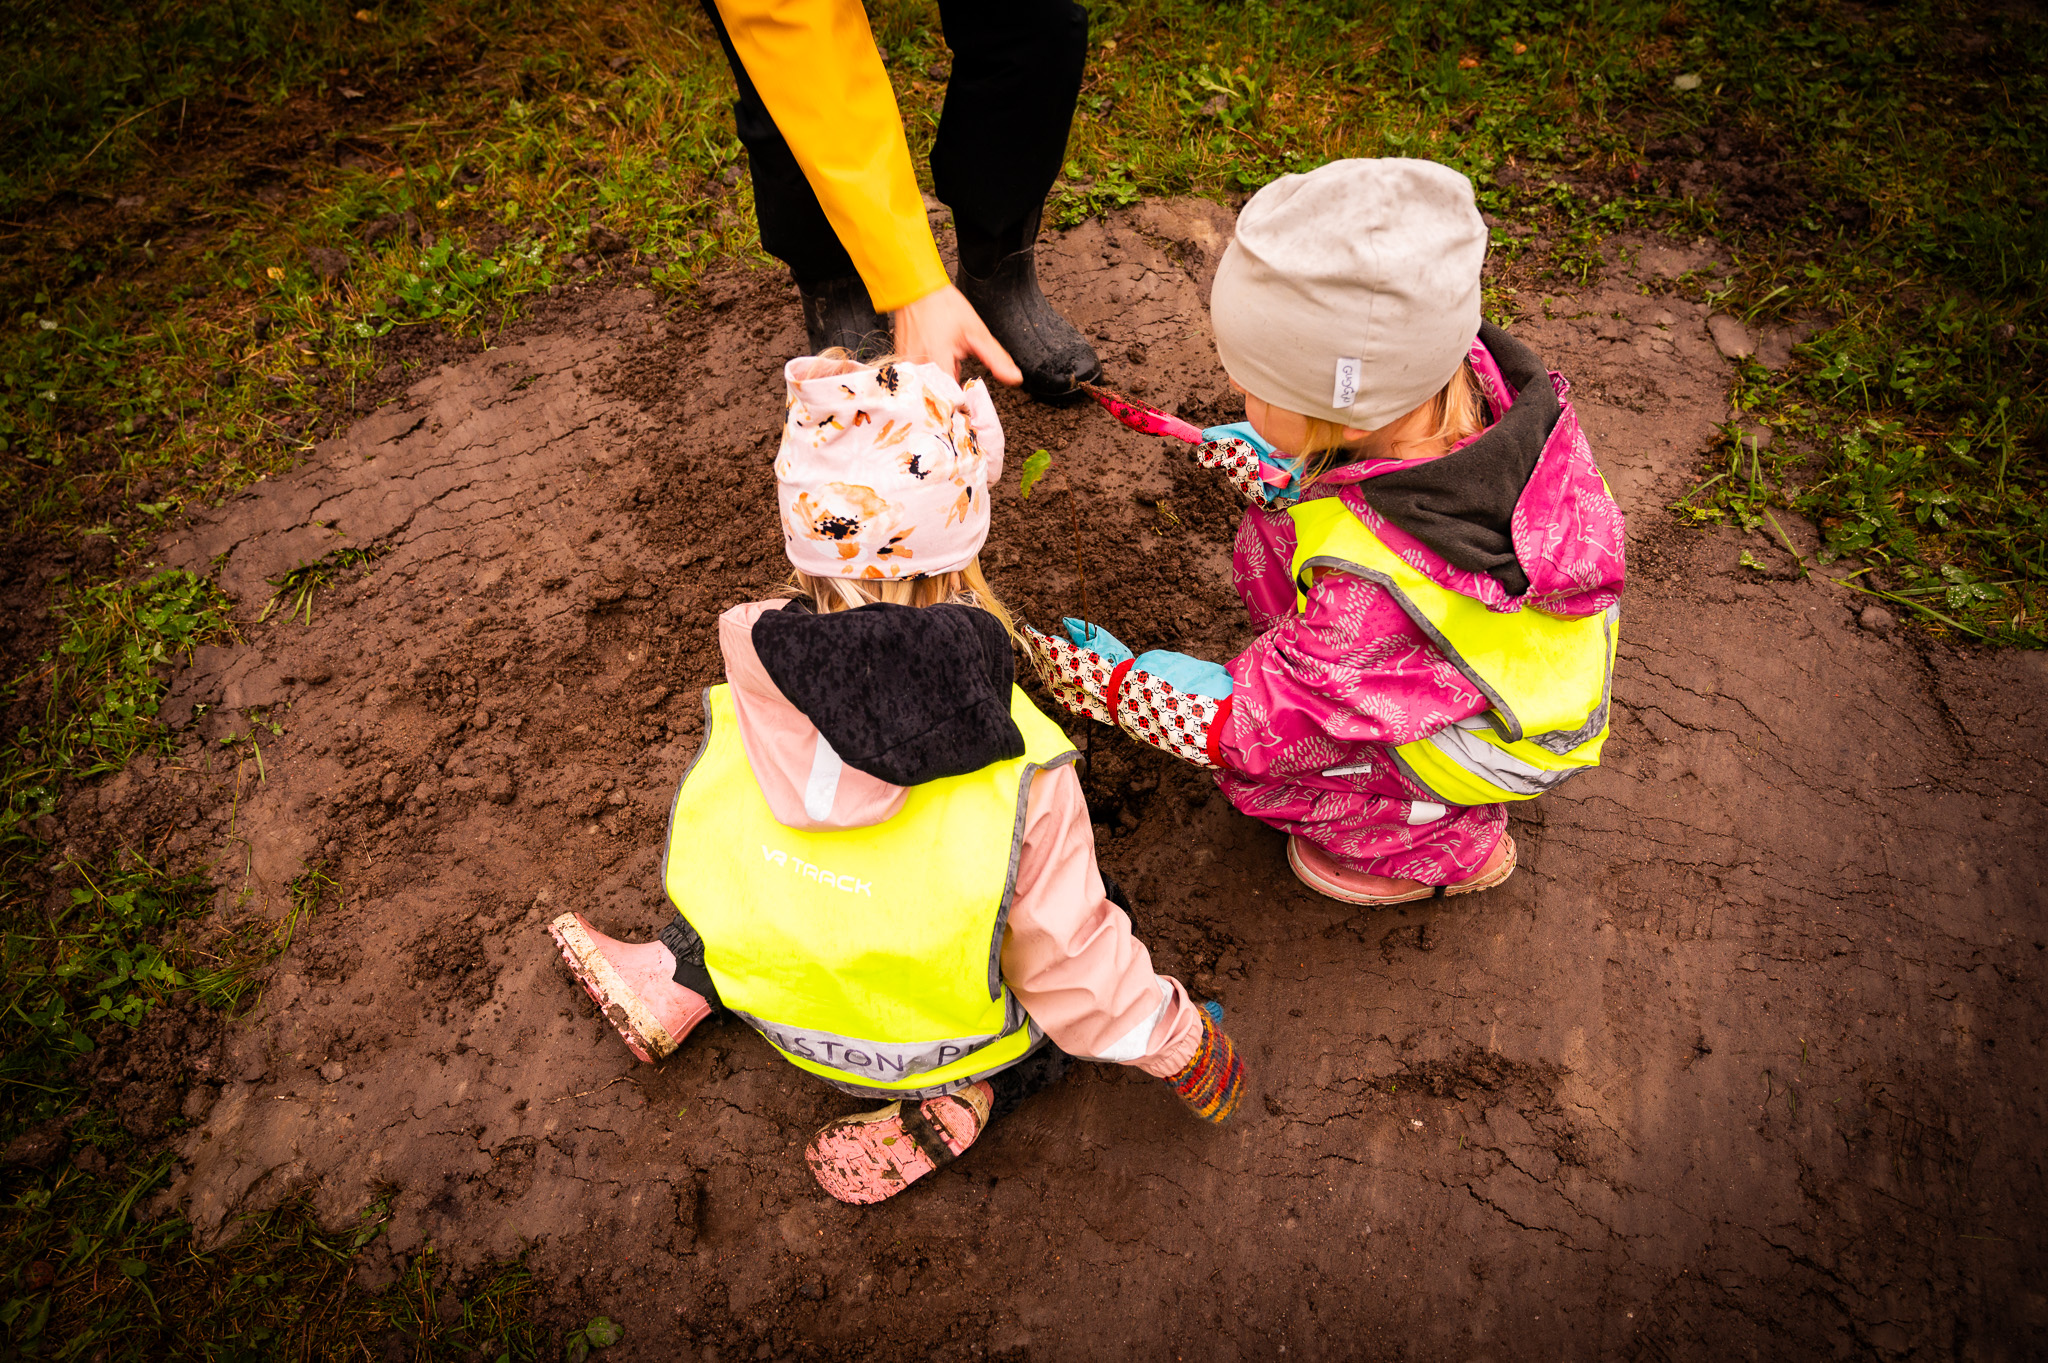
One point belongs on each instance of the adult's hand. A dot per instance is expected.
(944, 328)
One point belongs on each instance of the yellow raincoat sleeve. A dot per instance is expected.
(815, 64)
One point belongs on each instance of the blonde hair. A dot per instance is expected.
(1454, 414)
(964, 586)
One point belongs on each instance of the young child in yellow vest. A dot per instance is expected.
(880, 857)
(1431, 557)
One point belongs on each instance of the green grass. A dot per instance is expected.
(216, 216)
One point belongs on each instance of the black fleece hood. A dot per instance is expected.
(1462, 505)
(903, 693)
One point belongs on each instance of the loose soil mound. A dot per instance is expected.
(1746, 1060)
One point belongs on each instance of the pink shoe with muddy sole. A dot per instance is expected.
(633, 985)
(1332, 879)
(875, 1155)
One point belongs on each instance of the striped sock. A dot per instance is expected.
(1213, 1079)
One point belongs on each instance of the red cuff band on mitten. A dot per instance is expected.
(1212, 742)
(1115, 687)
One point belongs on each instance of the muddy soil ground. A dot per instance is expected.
(1746, 1061)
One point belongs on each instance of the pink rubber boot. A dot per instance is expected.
(1331, 878)
(875, 1155)
(633, 984)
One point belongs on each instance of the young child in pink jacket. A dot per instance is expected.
(880, 856)
(1431, 556)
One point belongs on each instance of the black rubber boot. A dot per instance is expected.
(838, 313)
(999, 275)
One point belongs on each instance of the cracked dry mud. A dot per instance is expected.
(1745, 1061)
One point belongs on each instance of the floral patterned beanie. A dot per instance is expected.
(884, 469)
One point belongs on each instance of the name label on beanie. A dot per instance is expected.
(1346, 391)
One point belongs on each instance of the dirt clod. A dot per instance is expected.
(328, 264)
(40, 1146)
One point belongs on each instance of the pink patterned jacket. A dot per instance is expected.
(1322, 693)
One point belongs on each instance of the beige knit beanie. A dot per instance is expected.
(1351, 293)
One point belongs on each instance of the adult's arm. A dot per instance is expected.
(815, 64)
(816, 68)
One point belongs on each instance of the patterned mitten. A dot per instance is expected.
(1239, 462)
(1175, 703)
(1213, 1079)
(1261, 474)
(1077, 664)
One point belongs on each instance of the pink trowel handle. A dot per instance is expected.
(1139, 417)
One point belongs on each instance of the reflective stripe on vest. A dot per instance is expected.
(1547, 678)
(871, 956)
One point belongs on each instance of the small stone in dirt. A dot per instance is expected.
(388, 790)
(481, 719)
(328, 263)
(333, 1072)
(1757, 438)
(1136, 353)
(1877, 620)
(500, 790)
(813, 1289)
(41, 1275)
(731, 176)
(1731, 338)
(39, 1146)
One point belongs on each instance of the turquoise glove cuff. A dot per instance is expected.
(1096, 639)
(1192, 675)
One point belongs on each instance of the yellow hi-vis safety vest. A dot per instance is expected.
(1546, 678)
(870, 956)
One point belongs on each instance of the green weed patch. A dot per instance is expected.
(97, 690)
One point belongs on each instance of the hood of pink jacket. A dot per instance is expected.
(841, 712)
(804, 790)
(1568, 533)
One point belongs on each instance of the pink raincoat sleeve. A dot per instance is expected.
(1259, 566)
(1070, 955)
